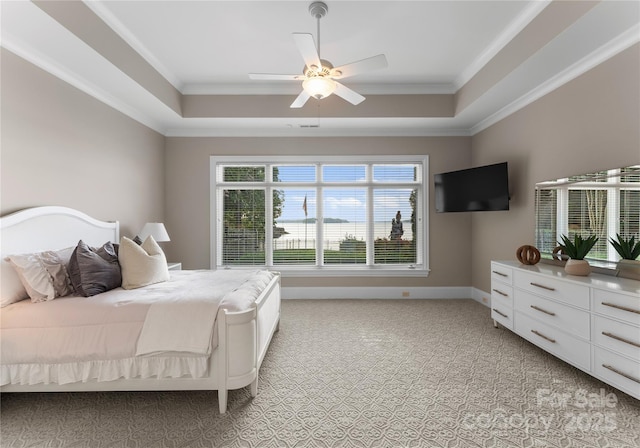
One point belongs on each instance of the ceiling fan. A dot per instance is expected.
(319, 75)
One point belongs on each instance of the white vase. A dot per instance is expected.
(629, 269)
(577, 267)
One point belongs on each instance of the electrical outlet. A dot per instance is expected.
(406, 293)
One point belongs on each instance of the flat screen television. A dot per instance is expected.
(484, 188)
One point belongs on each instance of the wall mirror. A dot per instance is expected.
(604, 203)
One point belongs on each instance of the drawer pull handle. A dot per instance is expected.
(623, 308)
(542, 311)
(501, 313)
(618, 338)
(626, 375)
(543, 336)
(500, 273)
(548, 288)
(501, 293)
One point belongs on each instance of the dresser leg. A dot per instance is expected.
(495, 324)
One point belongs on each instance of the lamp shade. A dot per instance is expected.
(319, 87)
(156, 230)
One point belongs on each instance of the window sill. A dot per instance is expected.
(340, 271)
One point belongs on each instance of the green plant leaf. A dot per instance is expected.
(627, 248)
(579, 247)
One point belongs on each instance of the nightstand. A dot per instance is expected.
(174, 266)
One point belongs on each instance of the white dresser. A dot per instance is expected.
(590, 322)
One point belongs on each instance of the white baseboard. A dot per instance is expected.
(437, 292)
(482, 297)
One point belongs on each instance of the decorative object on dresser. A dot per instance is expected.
(576, 250)
(528, 254)
(629, 251)
(557, 253)
(593, 323)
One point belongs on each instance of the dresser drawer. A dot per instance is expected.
(501, 273)
(553, 340)
(569, 319)
(617, 370)
(616, 336)
(502, 314)
(501, 293)
(557, 289)
(625, 307)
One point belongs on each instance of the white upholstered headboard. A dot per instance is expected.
(50, 228)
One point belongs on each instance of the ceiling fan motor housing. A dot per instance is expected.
(318, 9)
(313, 71)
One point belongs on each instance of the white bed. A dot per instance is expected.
(239, 339)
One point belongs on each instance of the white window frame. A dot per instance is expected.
(361, 270)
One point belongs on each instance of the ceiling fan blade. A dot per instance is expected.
(300, 100)
(364, 65)
(275, 77)
(346, 93)
(307, 47)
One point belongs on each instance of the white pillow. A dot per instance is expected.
(142, 264)
(44, 274)
(11, 288)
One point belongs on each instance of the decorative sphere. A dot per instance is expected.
(528, 255)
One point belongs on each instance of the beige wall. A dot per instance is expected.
(589, 124)
(187, 206)
(59, 146)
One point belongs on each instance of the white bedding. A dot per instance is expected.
(79, 339)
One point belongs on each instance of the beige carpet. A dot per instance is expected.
(357, 373)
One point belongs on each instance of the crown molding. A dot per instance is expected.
(293, 88)
(319, 131)
(47, 64)
(515, 27)
(121, 30)
(595, 58)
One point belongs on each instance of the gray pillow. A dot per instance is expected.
(94, 270)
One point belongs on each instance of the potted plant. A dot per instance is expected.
(576, 250)
(629, 251)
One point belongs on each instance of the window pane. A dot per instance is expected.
(630, 174)
(395, 173)
(291, 173)
(244, 227)
(243, 173)
(345, 227)
(600, 176)
(343, 173)
(547, 207)
(294, 231)
(588, 216)
(630, 213)
(394, 221)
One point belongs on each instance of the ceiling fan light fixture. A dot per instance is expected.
(319, 87)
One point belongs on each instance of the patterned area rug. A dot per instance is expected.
(357, 373)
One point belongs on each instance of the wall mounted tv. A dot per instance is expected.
(484, 188)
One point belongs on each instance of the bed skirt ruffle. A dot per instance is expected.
(105, 370)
